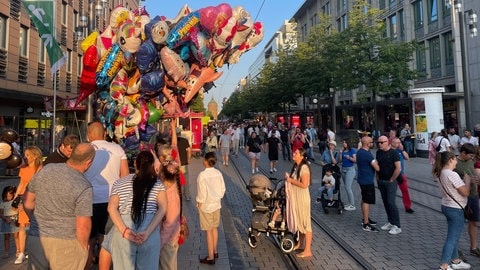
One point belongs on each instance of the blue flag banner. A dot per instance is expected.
(40, 13)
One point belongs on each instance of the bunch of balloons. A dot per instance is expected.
(7, 151)
(140, 68)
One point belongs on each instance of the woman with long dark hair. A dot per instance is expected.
(348, 159)
(137, 205)
(454, 198)
(300, 179)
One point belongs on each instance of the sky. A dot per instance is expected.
(272, 14)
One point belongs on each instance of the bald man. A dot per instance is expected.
(367, 165)
(110, 164)
(390, 169)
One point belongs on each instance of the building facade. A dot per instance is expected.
(435, 25)
(27, 85)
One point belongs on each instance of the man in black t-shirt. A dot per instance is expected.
(390, 168)
(185, 154)
(253, 150)
(286, 152)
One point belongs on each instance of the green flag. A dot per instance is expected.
(40, 13)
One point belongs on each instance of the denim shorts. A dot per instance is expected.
(474, 205)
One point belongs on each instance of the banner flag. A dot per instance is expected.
(40, 13)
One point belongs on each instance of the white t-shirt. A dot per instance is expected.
(105, 169)
(445, 143)
(450, 181)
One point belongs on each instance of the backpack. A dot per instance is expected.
(439, 146)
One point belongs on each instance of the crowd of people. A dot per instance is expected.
(128, 218)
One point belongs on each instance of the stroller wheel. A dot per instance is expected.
(339, 211)
(325, 210)
(253, 241)
(287, 244)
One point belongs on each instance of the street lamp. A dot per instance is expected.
(469, 18)
(87, 24)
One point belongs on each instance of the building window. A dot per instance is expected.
(41, 51)
(448, 40)
(23, 42)
(3, 32)
(326, 9)
(381, 4)
(393, 26)
(64, 13)
(69, 61)
(401, 23)
(446, 8)
(341, 5)
(432, 11)
(418, 14)
(421, 58)
(434, 48)
(79, 66)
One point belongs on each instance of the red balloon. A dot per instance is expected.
(13, 161)
(87, 79)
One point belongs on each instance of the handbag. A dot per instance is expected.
(467, 210)
(439, 146)
(17, 201)
(184, 232)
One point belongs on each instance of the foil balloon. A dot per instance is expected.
(88, 83)
(197, 78)
(105, 40)
(152, 83)
(224, 35)
(180, 32)
(244, 26)
(199, 47)
(173, 64)
(13, 161)
(134, 83)
(147, 57)
(118, 16)
(129, 36)
(157, 30)
(6, 150)
(109, 65)
(147, 134)
(9, 136)
(120, 82)
(184, 11)
(211, 18)
(154, 114)
(89, 41)
(255, 36)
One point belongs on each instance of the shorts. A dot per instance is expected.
(225, 150)
(209, 220)
(474, 205)
(253, 155)
(368, 193)
(99, 219)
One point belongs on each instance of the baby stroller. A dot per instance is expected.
(265, 200)
(337, 201)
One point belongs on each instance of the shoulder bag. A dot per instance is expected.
(439, 146)
(467, 211)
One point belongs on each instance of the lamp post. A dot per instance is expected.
(87, 25)
(469, 18)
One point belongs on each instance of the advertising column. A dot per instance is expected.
(428, 115)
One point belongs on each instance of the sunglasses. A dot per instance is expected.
(382, 142)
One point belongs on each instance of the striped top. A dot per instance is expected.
(123, 188)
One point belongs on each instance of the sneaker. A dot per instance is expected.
(271, 171)
(475, 252)
(275, 169)
(395, 230)
(448, 268)
(330, 204)
(387, 227)
(369, 228)
(370, 221)
(350, 207)
(271, 224)
(282, 226)
(226, 164)
(318, 200)
(253, 171)
(256, 169)
(409, 210)
(21, 258)
(460, 265)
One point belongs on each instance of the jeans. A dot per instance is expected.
(329, 191)
(310, 155)
(286, 151)
(388, 190)
(348, 173)
(408, 145)
(456, 223)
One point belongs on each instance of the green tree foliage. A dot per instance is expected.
(360, 57)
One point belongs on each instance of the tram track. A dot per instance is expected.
(290, 260)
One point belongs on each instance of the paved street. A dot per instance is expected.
(417, 247)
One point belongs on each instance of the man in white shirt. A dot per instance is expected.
(236, 139)
(331, 135)
(468, 138)
(454, 141)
